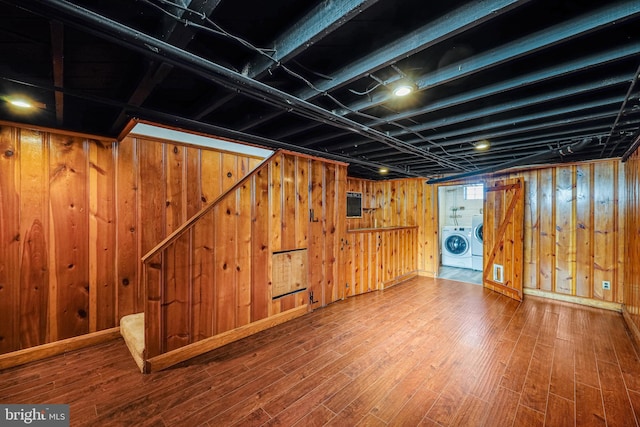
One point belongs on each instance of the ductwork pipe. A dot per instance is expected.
(533, 158)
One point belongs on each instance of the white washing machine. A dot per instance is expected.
(476, 243)
(456, 246)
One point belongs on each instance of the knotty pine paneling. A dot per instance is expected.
(76, 216)
(192, 287)
(573, 235)
(405, 202)
(631, 296)
(377, 257)
(10, 249)
(574, 228)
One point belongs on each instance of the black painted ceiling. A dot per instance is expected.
(542, 81)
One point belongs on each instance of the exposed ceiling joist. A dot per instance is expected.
(320, 21)
(561, 33)
(528, 75)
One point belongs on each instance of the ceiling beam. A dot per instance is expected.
(615, 53)
(315, 25)
(57, 55)
(443, 28)
(157, 49)
(441, 138)
(505, 107)
(325, 18)
(511, 106)
(562, 69)
(558, 34)
(175, 34)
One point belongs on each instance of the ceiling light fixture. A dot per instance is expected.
(383, 171)
(481, 145)
(403, 90)
(20, 103)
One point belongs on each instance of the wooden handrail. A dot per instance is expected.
(185, 226)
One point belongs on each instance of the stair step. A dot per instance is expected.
(132, 330)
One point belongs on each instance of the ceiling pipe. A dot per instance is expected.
(562, 152)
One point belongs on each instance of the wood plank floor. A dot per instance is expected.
(426, 352)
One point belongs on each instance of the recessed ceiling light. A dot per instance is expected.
(20, 103)
(403, 90)
(481, 145)
(383, 170)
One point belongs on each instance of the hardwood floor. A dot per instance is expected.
(426, 352)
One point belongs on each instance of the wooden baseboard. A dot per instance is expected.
(606, 305)
(633, 328)
(425, 273)
(181, 354)
(39, 352)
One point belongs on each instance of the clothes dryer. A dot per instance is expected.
(476, 242)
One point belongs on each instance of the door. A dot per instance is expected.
(503, 234)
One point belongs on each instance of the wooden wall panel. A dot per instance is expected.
(565, 254)
(547, 229)
(69, 204)
(631, 293)
(577, 243)
(203, 294)
(243, 264)
(77, 214)
(260, 248)
(316, 226)
(129, 286)
(574, 228)
(176, 294)
(34, 222)
(584, 230)
(225, 256)
(176, 196)
(9, 240)
(531, 230)
(193, 183)
(250, 223)
(102, 236)
(375, 257)
(211, 181)
(605, 257)
(332, 234)
(289, 202)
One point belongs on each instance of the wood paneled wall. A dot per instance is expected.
(215, 274)
(402, 202)
(380, 257)
(76, 216)
(574, 229)
(574, 238)
(631, 297)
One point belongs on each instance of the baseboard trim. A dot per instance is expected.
(32, 354)
(633, 328)
(187, 352)
(606, 305)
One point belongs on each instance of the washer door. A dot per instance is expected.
(478, 233)
(456, 245)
